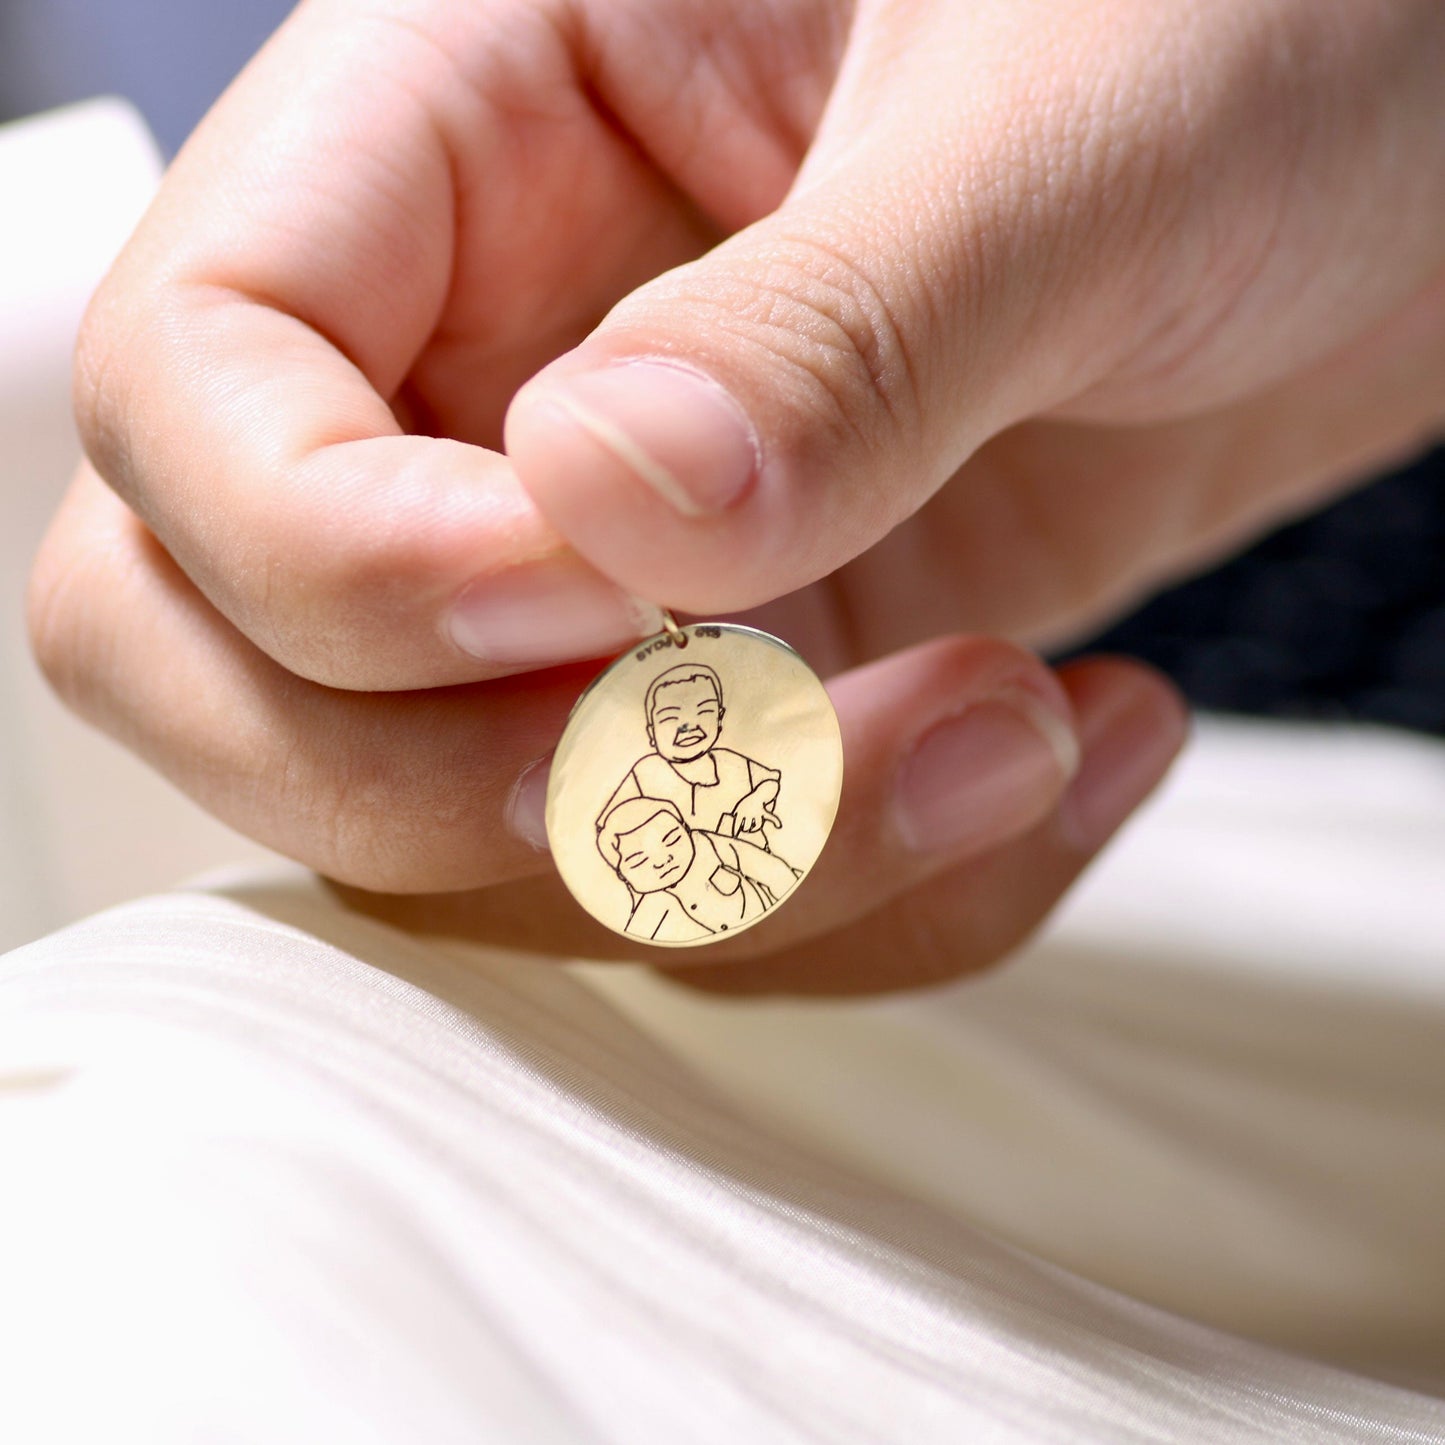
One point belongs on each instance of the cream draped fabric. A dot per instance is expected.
(270, 1172)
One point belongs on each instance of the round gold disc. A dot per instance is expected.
(694, 785)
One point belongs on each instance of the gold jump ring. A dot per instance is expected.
(669, 626)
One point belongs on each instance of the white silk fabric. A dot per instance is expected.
(270, 1172)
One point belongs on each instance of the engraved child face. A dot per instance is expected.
(686, 719)
(654, 856)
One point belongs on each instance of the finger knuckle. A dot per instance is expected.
(838, 328)
(99, 386)
(54, 623)
(363, 816)
(323, 615)
(329, 595)
(848, 319)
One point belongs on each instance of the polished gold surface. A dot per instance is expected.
(694, 785)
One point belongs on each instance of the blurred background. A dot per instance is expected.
(1339, 616)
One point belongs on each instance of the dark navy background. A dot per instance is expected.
(1338, 616)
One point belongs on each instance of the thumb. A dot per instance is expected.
(1115, 213)
(748, 423)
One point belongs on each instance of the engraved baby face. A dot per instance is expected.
(686, 719)
(654, 856)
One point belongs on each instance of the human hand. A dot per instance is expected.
(754, 813)
(401, 211)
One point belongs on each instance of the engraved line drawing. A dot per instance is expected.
(686, 883)
(713, 789)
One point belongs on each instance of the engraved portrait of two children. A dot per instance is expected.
(686, 829)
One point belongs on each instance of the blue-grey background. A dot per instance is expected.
(171, 57)
(1340, 616)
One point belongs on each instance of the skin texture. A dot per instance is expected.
(1015, 310)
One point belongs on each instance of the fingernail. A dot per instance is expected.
(984, 775)
(1128, 746)
(543, 613)
(673, 428)
(527, 807)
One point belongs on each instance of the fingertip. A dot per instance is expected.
(1132, 723)
(526, 806)
(669, 427)
(638, 464)
(977, 777)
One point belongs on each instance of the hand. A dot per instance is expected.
(1195, 243)
(957, 831)
(752, 815)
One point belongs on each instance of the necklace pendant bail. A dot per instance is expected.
(669, 626)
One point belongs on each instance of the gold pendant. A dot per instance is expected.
(695, 784)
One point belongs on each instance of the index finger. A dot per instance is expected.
(340, 248)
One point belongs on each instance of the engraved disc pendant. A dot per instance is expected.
(695, 785)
